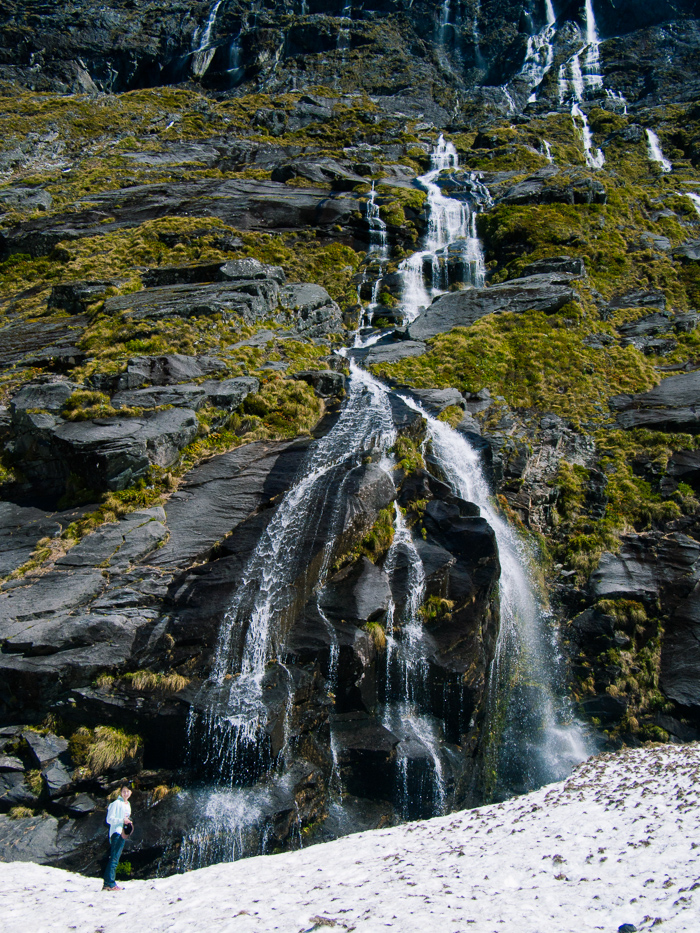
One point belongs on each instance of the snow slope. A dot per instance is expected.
(616, 843)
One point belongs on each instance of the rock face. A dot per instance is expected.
(546, 292)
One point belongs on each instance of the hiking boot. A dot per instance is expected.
(113, 887)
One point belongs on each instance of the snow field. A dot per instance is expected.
(618, 842)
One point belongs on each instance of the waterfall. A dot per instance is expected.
(587, 76)
(377, 228)
(594, 159)
(539, 740)
(451, 239)
(655, 153)
(618, 99)
(407, 689)
(343, 31)
(203, 54)
(547, 151)
(695, 198)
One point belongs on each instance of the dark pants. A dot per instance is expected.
(116, 846)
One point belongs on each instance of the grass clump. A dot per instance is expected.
(35, 782)
(408, 453)
(21, 813)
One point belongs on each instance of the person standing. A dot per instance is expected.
(120, 828)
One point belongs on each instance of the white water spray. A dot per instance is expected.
(695, 198)
(407, 676)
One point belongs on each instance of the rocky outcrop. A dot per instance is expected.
(547, 186)
(255, 205)
(544, 292)
(674, 405)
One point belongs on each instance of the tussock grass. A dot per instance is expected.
(377, 634)
(105, 748)
(149, 682)
(20, 813)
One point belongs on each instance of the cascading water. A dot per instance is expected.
(376, 259)
(655, 152)
(451, 240)
(532, 737)
(421, 784)
(202, 53)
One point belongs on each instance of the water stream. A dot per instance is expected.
(406, 708)
(655, 152)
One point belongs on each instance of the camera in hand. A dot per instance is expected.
(128, 829)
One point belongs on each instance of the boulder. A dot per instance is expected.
(319, 171)
(638, 299)
(545, 292)
(250, 301)
(230, 393)
(314, 311)
(688, 252)
(325, 382)
(390, 352)
(540, 188)
(235, 270)
(435, 401)
(18, 198)
(76, 297)
(646, 567)
(556, 264)
(44, 748)
(359, 593)
(187, 395)
(51, 397)
(112, 453)
(21, 527)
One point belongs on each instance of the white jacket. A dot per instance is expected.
(118, 810)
